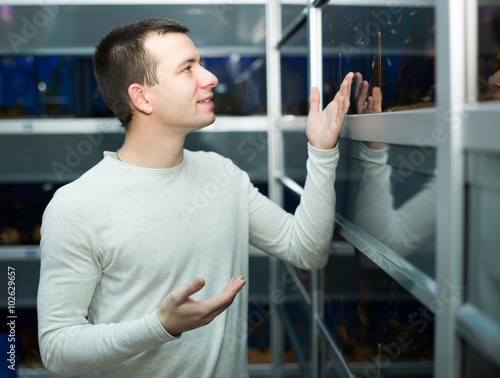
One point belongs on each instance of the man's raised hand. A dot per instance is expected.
(323, 127)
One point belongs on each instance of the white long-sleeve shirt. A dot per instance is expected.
(120, 238)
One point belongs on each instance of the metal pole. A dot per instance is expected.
(316, 80)
(275, 168)
(451, 95)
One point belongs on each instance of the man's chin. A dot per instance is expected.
(203, 124)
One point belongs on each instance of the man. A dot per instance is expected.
(127, 248)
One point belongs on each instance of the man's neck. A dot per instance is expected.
(152, 149)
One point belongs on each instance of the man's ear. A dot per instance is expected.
(139, 99)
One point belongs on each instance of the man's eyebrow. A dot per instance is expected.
(189, 60)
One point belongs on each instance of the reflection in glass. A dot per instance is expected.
(405, 228)
(381, 330)
(391, 195)
(489, 54)
(390, 190)
(61, 86)
(483, 238)
(392, 47)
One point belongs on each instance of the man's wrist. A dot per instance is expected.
(323, 149)
(163, 323)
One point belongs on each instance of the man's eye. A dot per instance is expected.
(187, 69)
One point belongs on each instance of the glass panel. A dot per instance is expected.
(21, 209)
(294, 84)
(392, 47)
(259, 350)
(295, 156)
(289, 12)
(301, 324)
(489, 53)
(380, 329)
(64, 86)
(474, 362)
(242, 84)
(293, 291)
(390, 193)
(48, 87)
(259, 311)
(483, 238)
(294, 73)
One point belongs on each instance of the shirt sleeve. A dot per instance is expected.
(70, 271)
(404, 229)
(304, 238)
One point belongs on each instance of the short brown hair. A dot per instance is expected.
(120, 60)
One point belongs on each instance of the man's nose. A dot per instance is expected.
(208, 79)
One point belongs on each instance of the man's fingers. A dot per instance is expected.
(195, 285)
(314, 100)
(233, 279)
(348, 79)
(345, 87)
(234, 286)
(340, 113)
(222, 301)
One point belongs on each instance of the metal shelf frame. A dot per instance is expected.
(24, 126)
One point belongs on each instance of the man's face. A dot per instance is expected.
(182, 100)
(494, 81)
